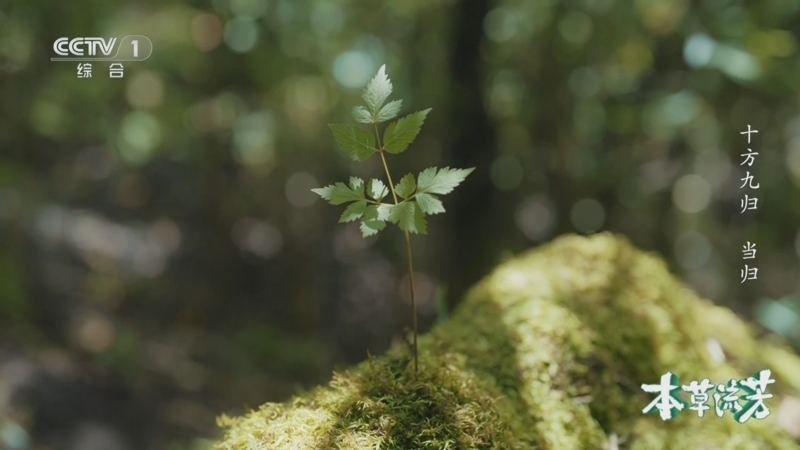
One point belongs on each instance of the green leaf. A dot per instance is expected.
(408, 217)
(371, 228)
(362, 115)
(442, 182)
(377, 91)
(400, 134)
(353, 212)
(377, 190)
(429, 204)
(339, 193)
(402, 214)
(420, 224)
(389, 111)
(373, 220)
(357, 184)
(406, 186)
(358, 143)
(384, 211)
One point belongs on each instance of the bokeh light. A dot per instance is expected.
(353, 69)
(252, 9)
(206, 32)
(241, 34)
(254, 138)
(691, 194)
(49, 118)
(585, 82)
(575, 27)
(505, 93)
(327, 18)
(145, 90)
(715, 167)
(535, 218)
(501, 24)
(256, 237)
(698, 50)
(139, 136)
(298, 189)
(96, 333)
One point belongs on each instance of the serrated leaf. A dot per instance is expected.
(373, 220)
(362, 115)
(358, 143)
(357, 184)
(442, 182)
(353, 212)
(378, 90)
(384, 211)
(339, 193)
(378, 190)
(406, 186)
(420, 224)
(389, 111)
(429, 204)
(400, 134)
(403, 215)
(371, 213)
(409, 218)
(371, 228)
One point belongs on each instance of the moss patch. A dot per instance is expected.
(548, 352)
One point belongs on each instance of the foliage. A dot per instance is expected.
(416, 194)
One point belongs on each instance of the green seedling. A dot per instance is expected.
(413, 197)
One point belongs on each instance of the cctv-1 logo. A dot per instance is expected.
(130, 48)
(65, 47)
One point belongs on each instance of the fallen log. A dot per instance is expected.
(550, 351)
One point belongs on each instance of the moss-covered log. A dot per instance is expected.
(548, 352)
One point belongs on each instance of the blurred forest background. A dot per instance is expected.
(162, 259)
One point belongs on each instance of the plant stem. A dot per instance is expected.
(408, 252)
(413, 298)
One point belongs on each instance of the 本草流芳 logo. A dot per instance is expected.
(751, 391)
(129, 48)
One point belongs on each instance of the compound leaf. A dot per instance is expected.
(408, 217)
(406, 186)
(442, 182)
(420, 224)
(384, 211)
(353, 212)
(372, 220)
(357, 184)
(377, 91)
(402, 214)
(358, 143)
(339, 193)
(362, 115)
(378, 190)
(429, 204)
(389, 111)
(401, 133)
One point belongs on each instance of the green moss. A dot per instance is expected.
(548, 352)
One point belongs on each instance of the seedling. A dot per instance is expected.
(414, 198)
